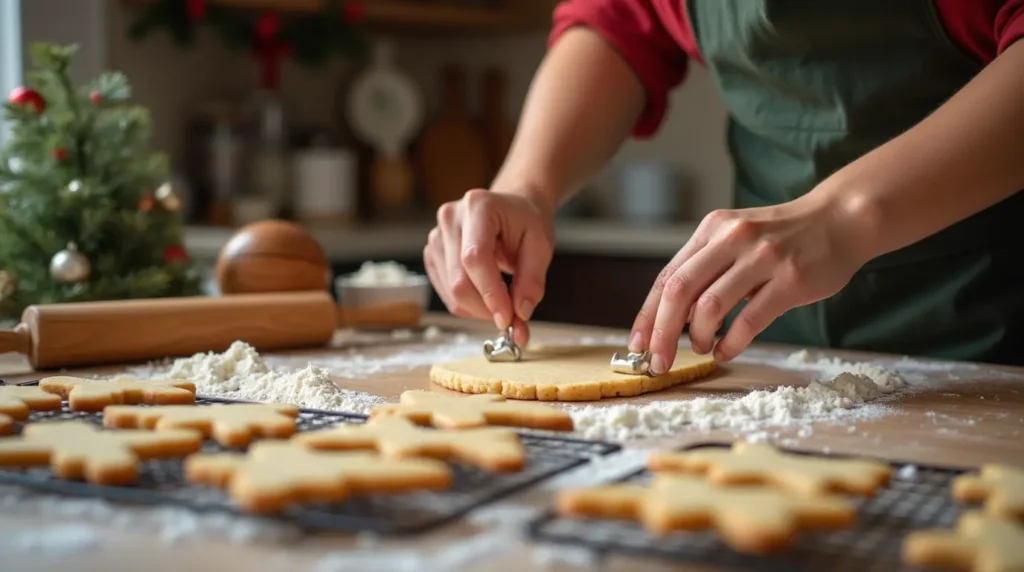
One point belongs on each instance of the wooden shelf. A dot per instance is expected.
(426, 14)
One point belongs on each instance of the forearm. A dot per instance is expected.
(583, 103)
(965, 157)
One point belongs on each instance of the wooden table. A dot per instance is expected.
(969, 414)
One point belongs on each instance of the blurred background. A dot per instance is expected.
(358, 125)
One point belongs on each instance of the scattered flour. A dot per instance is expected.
(843, 396)
(60, 540)
(241, 373)
(907, 473)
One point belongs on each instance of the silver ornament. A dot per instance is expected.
(70, 265)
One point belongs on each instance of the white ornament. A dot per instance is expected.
(74, 186)
(385, 107)
(70, 265)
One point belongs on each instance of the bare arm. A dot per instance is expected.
(967, 156)
(583, 103)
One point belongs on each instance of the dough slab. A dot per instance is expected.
(564, 373)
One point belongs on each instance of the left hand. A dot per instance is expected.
(778, 257)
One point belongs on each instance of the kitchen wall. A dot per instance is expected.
(169, 80)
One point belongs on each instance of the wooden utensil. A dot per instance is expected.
(96, 333)
(452, 155)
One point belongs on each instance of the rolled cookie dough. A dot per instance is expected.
(564, 373)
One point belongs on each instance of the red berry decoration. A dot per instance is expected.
(147, 203)
(60, 153)
(25, 96)
(196, 9)
(268, 26)
(95, 98)
(354, 12)
(175, 253)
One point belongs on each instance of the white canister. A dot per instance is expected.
(325, 185)
(649, 192)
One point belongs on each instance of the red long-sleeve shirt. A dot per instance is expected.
(656, 38)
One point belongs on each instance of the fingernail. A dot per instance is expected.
(634, 343)
(658, 365)
(525, 310)
(500, 321)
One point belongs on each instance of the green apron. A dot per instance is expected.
(811, 86)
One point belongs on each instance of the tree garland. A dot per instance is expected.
(311, 38)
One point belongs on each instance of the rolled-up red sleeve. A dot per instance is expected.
(982, 28)
(1009, 24)
(635, 30)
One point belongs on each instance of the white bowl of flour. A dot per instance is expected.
(381, 282)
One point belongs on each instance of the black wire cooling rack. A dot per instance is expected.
(918, 497)
(162, 482)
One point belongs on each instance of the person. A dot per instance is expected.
(878, 150)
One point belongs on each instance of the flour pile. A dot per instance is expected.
(241, 373)
(840, 397)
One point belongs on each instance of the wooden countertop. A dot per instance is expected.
(965, 415)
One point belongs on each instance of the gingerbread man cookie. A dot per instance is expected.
(490, 448)
(231, 425)
(750, 519)
(761, 463)
(17, 400)
(981, 542)
(94, 395)
(77, 449)
(443, 411)
(273, 475)
(6, 424)
(1001, 488)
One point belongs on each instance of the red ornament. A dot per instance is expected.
(147, 203)
(26, 96)
(95, 98)
(268, 26)
(175, 253)
(353, 12)
(60, 153)
(196, 9)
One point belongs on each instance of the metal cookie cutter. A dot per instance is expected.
(503, 348)
(633, 363)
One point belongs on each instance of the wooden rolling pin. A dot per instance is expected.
(97, 333)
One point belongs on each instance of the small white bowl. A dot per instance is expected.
(414, 288)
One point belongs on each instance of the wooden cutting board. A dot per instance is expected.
(452, 155)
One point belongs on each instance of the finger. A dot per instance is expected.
(520, 332)
(643, 325)
(533, 256)
(679, 294)
(719, 299)
(466, 300)
(770, 302)
(478, 257)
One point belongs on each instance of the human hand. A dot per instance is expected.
(777, 258)
(479, 237)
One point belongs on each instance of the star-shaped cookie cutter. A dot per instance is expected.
(503, 348)
(633, 363)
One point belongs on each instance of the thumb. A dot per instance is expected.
(533, 257)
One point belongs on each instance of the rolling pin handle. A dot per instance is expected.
(18, 340)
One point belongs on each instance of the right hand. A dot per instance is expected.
(479, 237)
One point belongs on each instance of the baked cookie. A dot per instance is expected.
(490, 448)
(94, 395)
(981, 542)
(77, 449)
(274, 474)
(1000, 487)
(564, 373)
(6, 424)
(232, 425)
(17, 400)
(750, 519)
(444, 411)
(761, 463)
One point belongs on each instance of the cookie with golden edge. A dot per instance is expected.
(1000, 487)
(761, 463)
(565, 373)
(77, 449)
(490, 448)
(981, 542)
(16, 401)
(450, 412)
(230, 424)
(6, 424)
(750, 519)
(272, 475)
(93, 395)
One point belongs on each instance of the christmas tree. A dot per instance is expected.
(85, 210)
